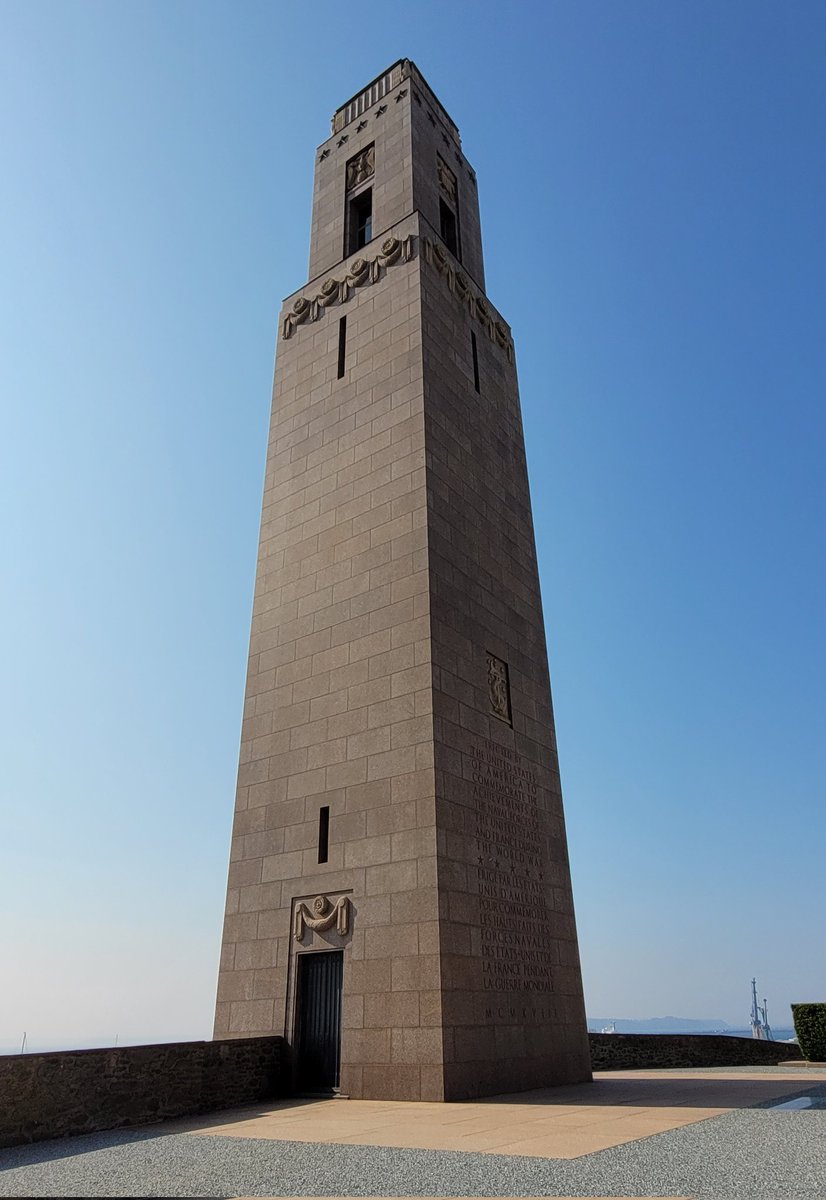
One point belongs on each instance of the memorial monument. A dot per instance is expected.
(399, 904)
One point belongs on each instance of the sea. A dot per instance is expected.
(778, 1035)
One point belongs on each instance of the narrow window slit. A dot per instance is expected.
(342, 345)
(323, 833)
(475, 361)
(359, 222)
(449, 229)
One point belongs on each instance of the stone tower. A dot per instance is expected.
(399, 902)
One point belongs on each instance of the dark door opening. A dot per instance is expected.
(318, 1030)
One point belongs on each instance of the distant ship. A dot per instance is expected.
(611, 1027)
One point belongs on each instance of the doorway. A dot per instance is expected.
(318, 1027)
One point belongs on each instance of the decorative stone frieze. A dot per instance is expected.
(336, 291)
(465, 291)
(322, 915)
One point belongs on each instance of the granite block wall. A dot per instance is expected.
(512, 995)
(397, 607)
(338, 708)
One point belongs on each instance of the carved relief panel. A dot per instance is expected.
(320, 915)
(361, 167)
(447, 180)
(499, 690)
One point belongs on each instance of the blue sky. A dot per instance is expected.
(653, 184)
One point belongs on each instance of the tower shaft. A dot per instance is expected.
(398, 805)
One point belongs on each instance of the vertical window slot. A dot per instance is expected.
(359, 221)
(342, 347)
(475, 361)
(448, 228)
(323, 833)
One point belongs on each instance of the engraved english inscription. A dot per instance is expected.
(517, 947)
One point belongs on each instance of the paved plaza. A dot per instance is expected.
(709, 1134)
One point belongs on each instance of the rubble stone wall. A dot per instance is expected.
(638, 1051)
(80, 1091)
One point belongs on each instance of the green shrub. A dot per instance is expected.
(810, 1027)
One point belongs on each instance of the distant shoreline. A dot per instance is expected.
(778, 1035)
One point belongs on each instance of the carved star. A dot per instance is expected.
(401, 95)
(381, 110)
(342, 139)
(445, 139)
(324, 153)
(431, 118)
(361, 125)
(417, 97)
(481, 859)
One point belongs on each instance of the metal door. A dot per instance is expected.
(318, 1033)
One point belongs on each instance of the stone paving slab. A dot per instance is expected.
(746, 1154)
(561, 1123)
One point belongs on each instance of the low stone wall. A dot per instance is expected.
(79, 1091)
(636, 1051)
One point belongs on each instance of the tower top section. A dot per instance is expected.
(378, 88)
(394, 151)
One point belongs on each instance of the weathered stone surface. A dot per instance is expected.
(79, 1091)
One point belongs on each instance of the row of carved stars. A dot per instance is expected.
(380, 111)
(499, 863)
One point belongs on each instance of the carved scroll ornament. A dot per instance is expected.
(337, 291)
(461, 287)
(322, 915)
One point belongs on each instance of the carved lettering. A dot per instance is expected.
(518, 950)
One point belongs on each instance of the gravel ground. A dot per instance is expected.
(751, 1154)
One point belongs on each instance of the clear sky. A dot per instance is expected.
(653, 187)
